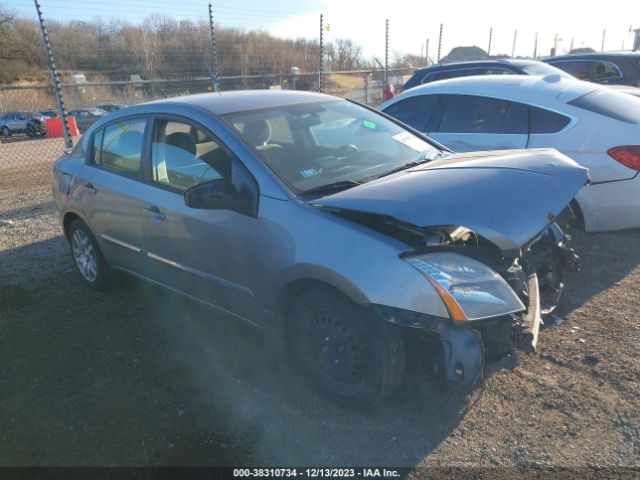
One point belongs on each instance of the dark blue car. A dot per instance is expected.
(612, 68)
(480, 67)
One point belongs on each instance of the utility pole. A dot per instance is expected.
(604, 33)
(440, 42)
(490, 38)
(321, 53)
(513, 48)
(215, 81)
(535, 47)
(386, 53)
(555, 45)
(426, 54)
(53, 71)
(571, 47)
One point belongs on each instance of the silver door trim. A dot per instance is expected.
(121, 243)
(200, 273)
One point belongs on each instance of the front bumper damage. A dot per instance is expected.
(466, 346)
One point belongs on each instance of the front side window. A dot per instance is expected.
(414, 111)
(333, 142)
(475, 114)
(118, 147)
(183, 156)
(604, 70)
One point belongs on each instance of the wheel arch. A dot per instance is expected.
(68, 219)
(579, 215)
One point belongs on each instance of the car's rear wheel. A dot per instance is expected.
(87, 257)
(354, 357)
(5, 131)
(31, 131)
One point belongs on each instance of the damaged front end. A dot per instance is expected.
(481, 229)
(496, 299)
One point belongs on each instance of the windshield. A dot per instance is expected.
(540, 69)
(313, 145)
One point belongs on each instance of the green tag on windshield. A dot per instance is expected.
(369, 124)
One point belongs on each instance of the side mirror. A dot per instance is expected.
(219, 194)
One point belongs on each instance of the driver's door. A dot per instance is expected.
(206, 254)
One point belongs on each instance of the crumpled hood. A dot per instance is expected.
(507, 197)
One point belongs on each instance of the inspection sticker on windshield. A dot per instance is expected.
(411, 141)
(309, 172)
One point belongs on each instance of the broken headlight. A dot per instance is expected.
(469, 289)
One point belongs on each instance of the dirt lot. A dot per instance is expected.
(136, 376)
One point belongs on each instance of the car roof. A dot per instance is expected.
(596, 55)
(511, 87)
(222, 103)
(478, 63)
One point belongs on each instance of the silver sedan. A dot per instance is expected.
(336, 229)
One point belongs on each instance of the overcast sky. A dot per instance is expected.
(412, 22)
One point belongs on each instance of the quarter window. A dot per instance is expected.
(183, 156)
(474, 114)
(545, 121)
(118, 147)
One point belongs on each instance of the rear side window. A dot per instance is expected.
(577, 68)
(616, 105)
(414, 111)
(545, 121)
(118, 147)
(475, 114)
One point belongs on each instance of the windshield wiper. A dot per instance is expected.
(422, 159)
(333, 187)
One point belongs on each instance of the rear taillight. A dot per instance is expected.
(628, 155)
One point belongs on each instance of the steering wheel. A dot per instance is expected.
(348, 150)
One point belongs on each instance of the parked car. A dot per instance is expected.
(48, 113)
(594, 125)
(615, 68)
(480, 67)
(111, 107)
(335, 229)
(86, 116)
(22, 122)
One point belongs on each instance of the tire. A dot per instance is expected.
(87, 257)
(353, 356)
(5, 131)
(31, 131)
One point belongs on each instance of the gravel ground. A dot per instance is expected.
(136, 376)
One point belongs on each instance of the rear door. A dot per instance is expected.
(473, 123)
(206, 254)
(110, 199)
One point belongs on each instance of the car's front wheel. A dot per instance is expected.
(88, 258)
(355, 358)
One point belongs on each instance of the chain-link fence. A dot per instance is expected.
(31, 138)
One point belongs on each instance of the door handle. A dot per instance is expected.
(155, 213)
(90, 189)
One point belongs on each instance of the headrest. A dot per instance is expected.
(181, 140)
(258, 132)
